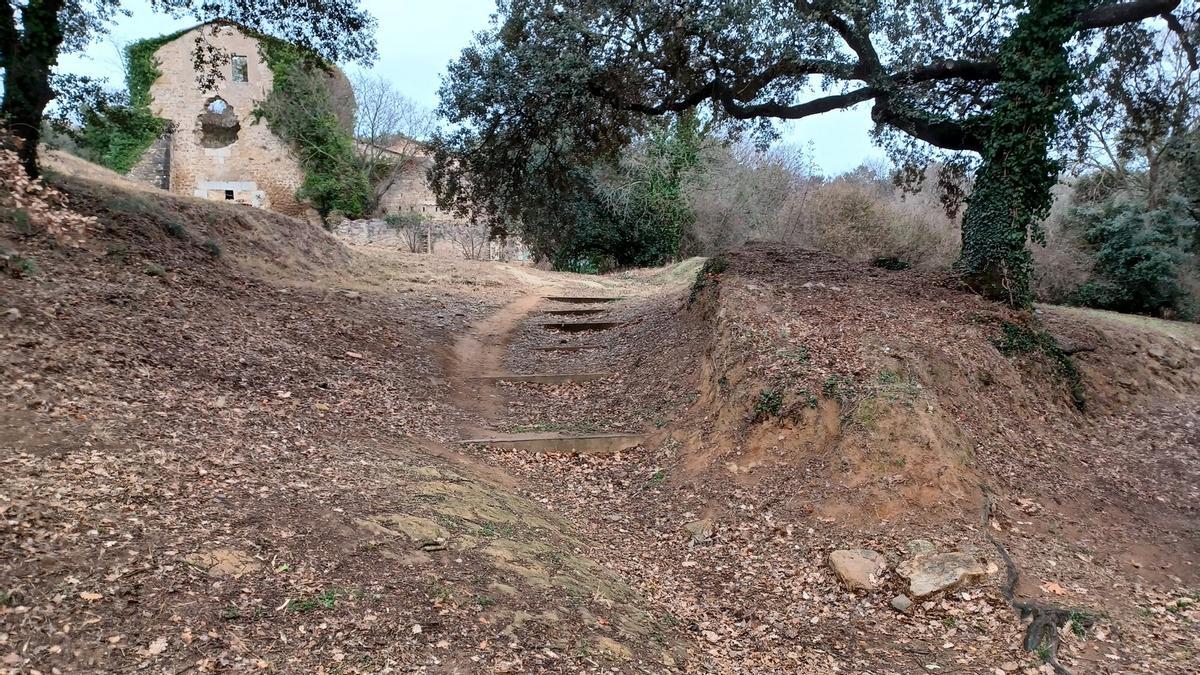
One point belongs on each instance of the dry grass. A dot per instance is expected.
(862, 221)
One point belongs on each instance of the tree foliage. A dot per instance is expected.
(552, 87)
(633, 214)
(301, 110)
(1138, 255)
(603, 216)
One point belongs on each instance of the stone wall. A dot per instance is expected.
(154, 168)
(411, 194)
(225, 155)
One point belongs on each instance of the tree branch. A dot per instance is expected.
(734, 99)
(730, 104)
(1180, 32)
(1118, 13)
(942, 133)
(857, 39)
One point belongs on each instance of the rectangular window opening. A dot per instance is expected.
(229, 195)
(241, 70)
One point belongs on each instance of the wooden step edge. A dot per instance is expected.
(586, 444)
(544, 378)
(580, 326)
(582, 300)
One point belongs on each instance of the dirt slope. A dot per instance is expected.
(234, 458)
(228, 443)
(798, 404)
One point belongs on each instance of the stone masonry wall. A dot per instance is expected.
(257, 168)
(411, 194)
(154, 168)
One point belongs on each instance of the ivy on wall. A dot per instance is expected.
(301, 110)
(117, 132)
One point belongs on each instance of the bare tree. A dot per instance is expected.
(413, 229)
(390, 129)
(472, 239)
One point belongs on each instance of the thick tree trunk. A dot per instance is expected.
(1013, 186)
(995, 261)
(28, 58)
(24, 123)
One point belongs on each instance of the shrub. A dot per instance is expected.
(175, 229)
(770, 402)
(856, 220)
(212, 247)
(1137, 257)
(16, 265)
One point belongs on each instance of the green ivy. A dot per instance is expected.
(116, 134)
(301, 110)
(1013, 186)
(1016, 339)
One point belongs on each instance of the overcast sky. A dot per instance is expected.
(417, 38)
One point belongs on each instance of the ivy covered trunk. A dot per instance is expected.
(27, 57)
(1012, 191)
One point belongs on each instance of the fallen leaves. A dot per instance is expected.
(156, 647)
(1054, 588)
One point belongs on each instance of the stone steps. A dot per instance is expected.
(575, 312)
(579, 300)
(550, 378)
(585, 444)
(580, 326)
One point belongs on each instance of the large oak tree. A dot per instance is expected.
(553, 86)
(34, 32)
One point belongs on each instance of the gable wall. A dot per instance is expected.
(260, 168)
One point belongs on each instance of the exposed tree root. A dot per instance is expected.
(1042, 633)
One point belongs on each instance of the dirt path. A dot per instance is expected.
(481, 351)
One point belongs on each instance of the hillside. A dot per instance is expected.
(230, 442)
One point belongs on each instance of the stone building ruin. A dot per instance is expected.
(410, 192)
(213, 147)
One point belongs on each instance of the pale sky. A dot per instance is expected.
(417, 38)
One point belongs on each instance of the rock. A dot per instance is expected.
(920, 547)
(901, 603)
(929, 574)
(613, 649)
(700, 530)
(224, 562)
(859, 569)
(353, 295)
(12, 314)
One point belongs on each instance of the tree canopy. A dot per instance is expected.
(552, 86)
